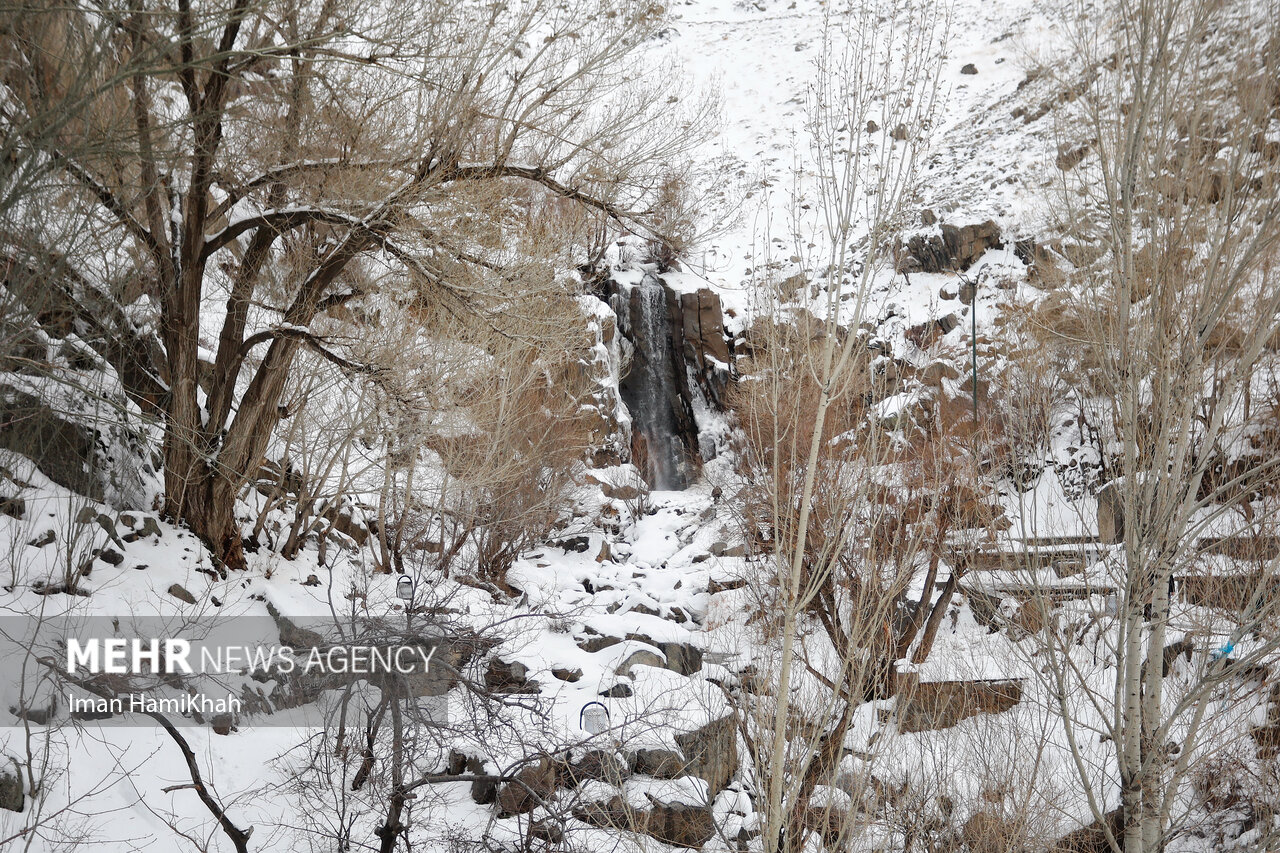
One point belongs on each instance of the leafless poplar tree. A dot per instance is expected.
(1168, 318)
(815, 511)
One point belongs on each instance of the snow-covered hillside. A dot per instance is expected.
(602, 655)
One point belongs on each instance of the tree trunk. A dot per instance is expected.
(935, 618)
(918, 609)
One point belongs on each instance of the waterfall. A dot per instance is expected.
(650, 391)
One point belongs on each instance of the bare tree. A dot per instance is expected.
(815, 515)
(1168, 322)
(273, 162)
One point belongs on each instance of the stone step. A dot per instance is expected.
(935, 705)
(1024, 592)
(1064, 561)
(1228, 592)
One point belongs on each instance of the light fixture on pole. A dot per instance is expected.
(404, 592)
(594, 718)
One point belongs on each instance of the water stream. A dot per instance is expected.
(650, 390)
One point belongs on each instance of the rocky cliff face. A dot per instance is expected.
(951, 248)
(676, 363)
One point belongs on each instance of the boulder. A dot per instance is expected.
(149, 528)
(345, 522)
(102, 464)
(547, 831)
(955, 248)
(46, 538)
(659, 763)
(936, 705)
(947, 322)
(724, 549)
(682, 658)
(64, 451)
(290, 634)
(623, 492)
(620, 690)
(676, 824)
(508, 677)
(14, 507)
(711, 753)
(574, 544)
(595, 765)
(611, 814)
(483, 791)
(595, 644)
(934, 372)
(179, 592)
(640, 657)
(12, 796)
(680, 825)
(532, 786)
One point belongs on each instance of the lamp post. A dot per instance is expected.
(973, 342)
(594, 718)
(404, 592)
(972, 284)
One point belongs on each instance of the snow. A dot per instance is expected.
(652, 586)
(1045, 511)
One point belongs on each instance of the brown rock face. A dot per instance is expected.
(677, 356)
(680, 825)
(659, 763)
(934, 705)
(703, 341)
(531, 787)
(955, 249)
(509, 677)
(675, 824)
(711, 753)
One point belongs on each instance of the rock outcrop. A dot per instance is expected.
(711, 753)
(676, 360)
(935, 705)
(677, 824)
(12, 796)
(105, 464)
(953, 248)
(703, 341)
